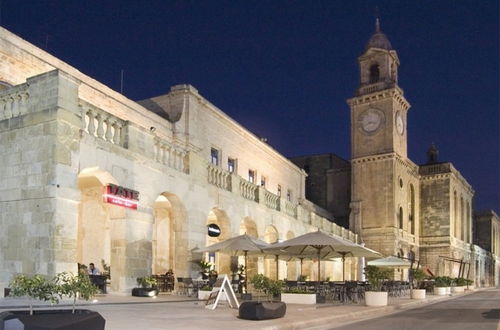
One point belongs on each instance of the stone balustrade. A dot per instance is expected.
(290, 209)
(170, 155)
(271, 200)
(102, 125)
(219, 177)
(434, 169)
(249, 190)
(14, 102)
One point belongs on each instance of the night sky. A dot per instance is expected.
(284, 69)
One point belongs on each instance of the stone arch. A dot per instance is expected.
(456, 225)
(462, 219)
(249, 227)
(292, 266)
(169, 243)
(221, 261)
(270, 236)
(97, 229)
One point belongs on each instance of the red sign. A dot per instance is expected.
(121, 196)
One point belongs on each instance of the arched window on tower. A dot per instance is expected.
(411, 209)
(374, 73)
(400, 218)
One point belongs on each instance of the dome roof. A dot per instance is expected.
(378, 39)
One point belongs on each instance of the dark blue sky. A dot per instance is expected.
(284, 69)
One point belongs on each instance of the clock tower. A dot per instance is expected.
(378, 110)
(381, 174)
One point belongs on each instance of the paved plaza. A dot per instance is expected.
(177, 312)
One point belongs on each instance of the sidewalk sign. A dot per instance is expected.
(222, 287)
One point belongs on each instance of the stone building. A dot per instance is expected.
(88, 175)
(487, 237)
(421, 212)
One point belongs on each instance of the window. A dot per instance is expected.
(263, 181)
(374, 73)
(289, 195)
(214, 156)
(400, 218)
(279, 190)
(251, 176)
(411, 210)
(231, 165)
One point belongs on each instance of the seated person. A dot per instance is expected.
(93, 270)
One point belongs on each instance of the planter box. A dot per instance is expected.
(142, 292)
(448, 290)
(61, 319)
(203, 295)
(440, 291)
(299, 298)
(375, 298)
(253, 310)
(418, 294)
(458, 289)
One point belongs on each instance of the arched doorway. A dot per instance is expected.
(97, 229)
(169, 242)
(249, 227)
(221, 261)
(270, 236)
(292, 266)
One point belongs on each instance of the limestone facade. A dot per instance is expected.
(64, 136)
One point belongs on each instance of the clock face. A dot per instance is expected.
(370, 120)
(400, 127)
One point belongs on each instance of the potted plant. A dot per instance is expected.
(147, 287)
(440, 285)
(204, 292)
(418, 292)
(376, 276)
(448, 280)
(459, 285)
(38, 287)
(76, 286)
(257, 310)
(204, 268)
(298, 296)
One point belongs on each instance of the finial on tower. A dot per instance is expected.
(377, 20)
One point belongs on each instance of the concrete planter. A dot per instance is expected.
(203, 295)
(299, 298)
(52, 319)
(439, 291)
(448, 290)
(418, 294)
(375, 298)
(457, 289)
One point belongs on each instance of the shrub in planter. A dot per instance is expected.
(256, 310)
(440, 284)
(418, 290)
(35, 288)
(204, 268)
(376, 276)
(146, 288)
(38, 287)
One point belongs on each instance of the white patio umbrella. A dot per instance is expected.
(322, 245)
(390, 261)
(239, 246)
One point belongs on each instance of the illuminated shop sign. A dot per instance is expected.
(121, 196)
(213, 230)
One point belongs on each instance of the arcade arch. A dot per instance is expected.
(221, 261)
(249, 227)
(270, 236)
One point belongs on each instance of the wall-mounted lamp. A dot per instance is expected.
(152, 129)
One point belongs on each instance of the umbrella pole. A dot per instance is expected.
(301, 261)
(246, 272)
(319, 264)
(277, 266)
(343, 267)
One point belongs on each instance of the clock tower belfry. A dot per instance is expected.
(378, 109)
(383, 179)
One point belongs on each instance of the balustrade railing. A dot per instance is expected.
(290, 209)
(271, 200)
(169, 155)
(102, 125)
(249, 190)
(218, 177)
(14, 102)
